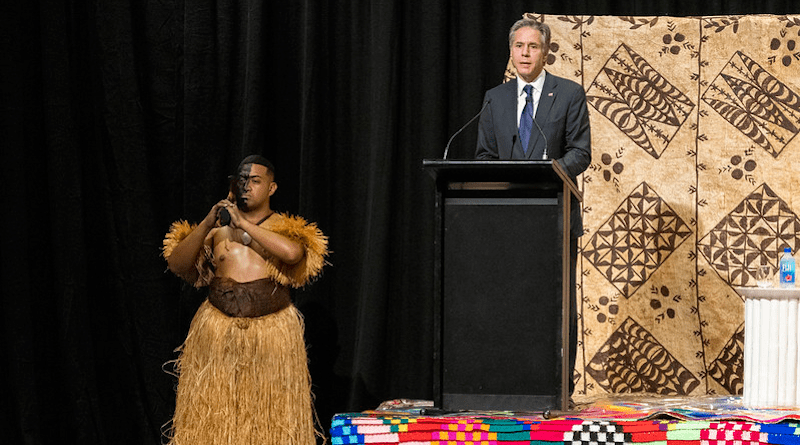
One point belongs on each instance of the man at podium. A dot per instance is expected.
(539, 116)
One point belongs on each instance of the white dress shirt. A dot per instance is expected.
(537, 84)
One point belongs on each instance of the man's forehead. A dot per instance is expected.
(529, 32)
(251, 170)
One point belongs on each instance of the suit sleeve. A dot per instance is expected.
(487, 142)
(578, 138)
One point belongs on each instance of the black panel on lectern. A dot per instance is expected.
(500, 259)
(501, 302)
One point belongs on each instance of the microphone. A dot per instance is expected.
(224, 216)
(447, 147)
(544, 155)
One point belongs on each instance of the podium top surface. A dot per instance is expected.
(542, 173)
(490, 170)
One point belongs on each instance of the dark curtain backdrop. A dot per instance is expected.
(120, 117)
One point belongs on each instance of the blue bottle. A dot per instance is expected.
(787, 268)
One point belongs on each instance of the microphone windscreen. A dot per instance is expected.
(224, 217)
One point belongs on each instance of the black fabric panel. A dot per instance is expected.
(118, 118)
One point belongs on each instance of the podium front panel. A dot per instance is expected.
(501, 308)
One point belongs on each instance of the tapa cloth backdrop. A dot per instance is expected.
(691, 186)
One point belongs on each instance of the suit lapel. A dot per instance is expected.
(512, 126)
(547, 98)
(510, 121)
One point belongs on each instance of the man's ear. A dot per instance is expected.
(272, 187)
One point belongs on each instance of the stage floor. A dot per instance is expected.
(617, 420)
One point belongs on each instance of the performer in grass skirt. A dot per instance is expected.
(242, 371)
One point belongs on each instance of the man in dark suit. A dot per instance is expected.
(560, 108)
(539, 116)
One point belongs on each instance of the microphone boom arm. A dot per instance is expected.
(447, 147)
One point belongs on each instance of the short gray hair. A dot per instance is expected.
(544, 31)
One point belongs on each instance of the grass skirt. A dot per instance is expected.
(243, 381)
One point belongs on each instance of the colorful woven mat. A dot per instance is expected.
(612, 422)
(388, 429)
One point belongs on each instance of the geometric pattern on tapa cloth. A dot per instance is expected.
(636, 239)
(753, 233)
(632, 360)
(728, 368)
(408, 430)
(639, 101)
(755, 102)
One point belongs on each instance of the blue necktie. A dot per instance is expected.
(526, 119)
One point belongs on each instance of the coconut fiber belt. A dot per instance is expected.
(251, 299)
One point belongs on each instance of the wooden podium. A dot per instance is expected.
(501, 297)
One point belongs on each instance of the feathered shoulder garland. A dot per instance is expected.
(309, 236)
(295, 228)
